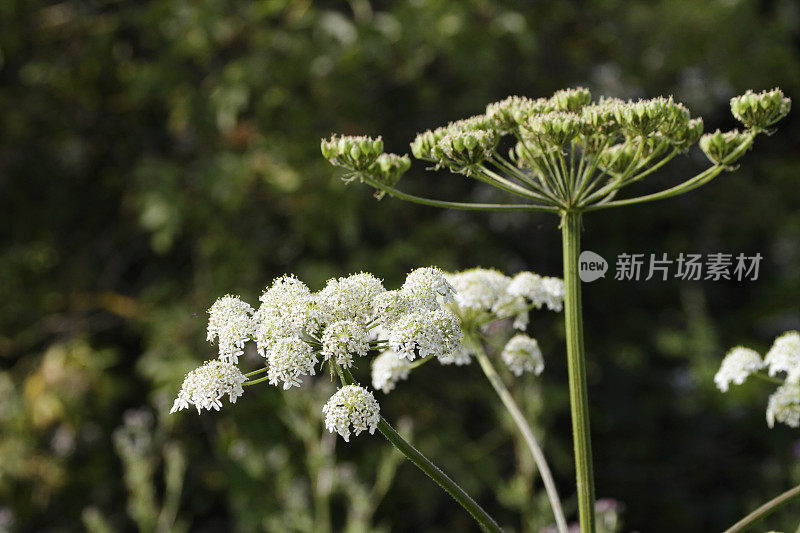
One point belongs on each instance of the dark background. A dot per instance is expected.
(156, 155)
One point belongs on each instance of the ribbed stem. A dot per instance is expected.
(425, 464)
(576, 363)
(525, 430)
(764, 510)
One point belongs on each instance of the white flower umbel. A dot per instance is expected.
(286, 310)
(288, 359)
(522, 354)
(426, 287)
(739, 363)
(389, 306)
(784, 406)
(529, 286)
(784, 356)
(351, 406)
(436, 333)
(349, 298)
(230, 323)
(204, 387)
(555, 290)
(387, 369)
(480, 289)
(343, 339)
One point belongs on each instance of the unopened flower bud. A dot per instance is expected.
(351, 152)
(760, 110)
(509, 114)
(719, 146)
(388, 169)
(557, 128)
(571, 99)
(461, 151)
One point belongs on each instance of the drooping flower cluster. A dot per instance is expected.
(782, 359)
(295, 330)
(522, 354)
(351, 406)
(204, 387)
(387, 369)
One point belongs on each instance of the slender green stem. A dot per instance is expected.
(576, 363)
(424, 464)
(255, 381)
(256, 372)
(456, 205)
(768, 378)
(764, 510)
(526, 431)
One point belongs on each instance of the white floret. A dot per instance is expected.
(737, 365)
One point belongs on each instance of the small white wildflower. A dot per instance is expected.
(784, 406)
(288, 359)
(555, 290)
(230, 323)
(344, 338)
(480, 289)
(387, 369)
(351, 405)
(205, 386)
(349, 298)
(426, 333)
(389, 306)
(529, 286)
(739, 363)
(426, 286)
(522, 354)
(286, 310)
(784, 356)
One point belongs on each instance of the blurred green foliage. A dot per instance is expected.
(155, 155)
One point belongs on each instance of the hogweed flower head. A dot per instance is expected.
(230, 323)
(784, 406)
(522, 354)
(349, 297)
(719, 146)
(387, 369)
(737, 365)
(351, 407)
(784, 356)
(426, 333)
(287, 309)
(288, 360)
(352, 152)
(426, 286)
(205, 387)
(760, 110)
(571, 154)
(344, 339)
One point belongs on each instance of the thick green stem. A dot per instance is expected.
(764, 510)
(425, 464)
(576, 363)
(525, 430)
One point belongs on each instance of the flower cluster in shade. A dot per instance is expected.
(781, 361)
(296, 330)
(481, 297)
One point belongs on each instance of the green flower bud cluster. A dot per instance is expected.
(352, 152)
(760, 110)
(557, 127)
(600, 119)
(462, 150)
(509, 114)
(571, 99)
(425, 142)
(676, 118)
(643, 118)
(388, 169)
(618, 158)
(683, 138)
(718, 146)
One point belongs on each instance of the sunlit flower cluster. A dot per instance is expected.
(351, 407)
(295, 330)
(782, 361)
(204, 387)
